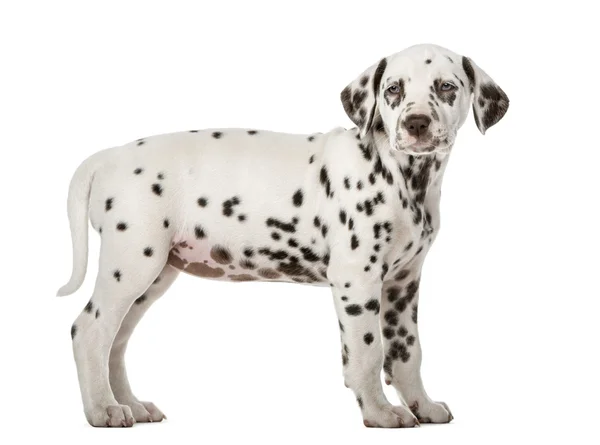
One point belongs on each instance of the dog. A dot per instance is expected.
(355, 209)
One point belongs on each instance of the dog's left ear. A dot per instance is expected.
(360, 97)
(490, 103)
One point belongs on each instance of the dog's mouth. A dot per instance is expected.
(437, 144)
(423, 146)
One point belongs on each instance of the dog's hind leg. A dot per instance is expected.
(132, 256)
(142, 411)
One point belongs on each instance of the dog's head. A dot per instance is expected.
(420, 97)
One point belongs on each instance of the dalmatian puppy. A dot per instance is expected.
(356, 210)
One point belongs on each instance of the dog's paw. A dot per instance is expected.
(431, 412)
(390, 417)
(145, 412)
(111, 416)
(156, 415)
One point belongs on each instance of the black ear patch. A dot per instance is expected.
(469, 71)
(359, 99)
(497, 104)
(490, 103)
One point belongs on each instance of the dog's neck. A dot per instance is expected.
(420, 175)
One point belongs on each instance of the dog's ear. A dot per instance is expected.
(489, 101)
(360, 97)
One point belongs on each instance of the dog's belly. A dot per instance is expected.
(233, 262)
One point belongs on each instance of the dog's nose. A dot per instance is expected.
(416, 124)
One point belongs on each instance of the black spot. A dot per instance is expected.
(368, 338)
(373, 259)
(347, 285)
(193, 131)
(138, 170)
(202, 202)
(286, 227)
(391, 317)
(248, 252)
(350, 224)
(199, 232)
(292, 242)
(157, 189)
(166, 223)
(388, 333)
(97, 313)
(148, 251)
(341, 326)
(359, 185)
(311, 159)
(241, 218)
(469, 71)
(353, 309)
(415, 311)
(276, 236)
(354, 242)
(324, 230)
(342, 217)
(366, 151)
(298, 198)
(372, 305)
(117, 275)
(108, 204)
(309, 255)
(344, 298)
(140, 142)
(325, 182)
(428, 61)
(252, 132)
(402, 331)
(410, 340)
(347, 182)
(360, 402)
(217, 134)
(310, 138)
(393, 293)
(73, 331)
(402, 274)
(160, 176)
(141, 299)
(89, 307)
(121, 227)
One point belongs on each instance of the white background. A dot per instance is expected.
(510, 299)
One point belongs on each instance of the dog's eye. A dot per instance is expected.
(447, 86)
(394, 89)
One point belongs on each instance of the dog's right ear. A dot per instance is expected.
(360, 97)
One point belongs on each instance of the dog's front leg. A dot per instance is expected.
(402, 350)
(356, 296)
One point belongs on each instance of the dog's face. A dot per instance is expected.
(420, 97)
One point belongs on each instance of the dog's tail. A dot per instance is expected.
(77, 210)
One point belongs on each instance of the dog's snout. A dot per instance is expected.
(417, 124)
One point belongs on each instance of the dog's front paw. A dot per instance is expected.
(431, 412)
(389, 417)
(111, 416)
(145, 412)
